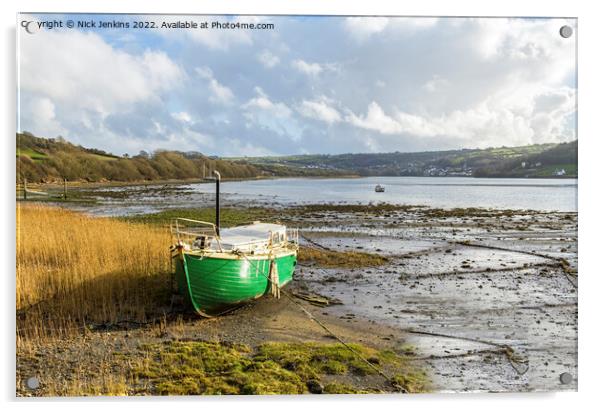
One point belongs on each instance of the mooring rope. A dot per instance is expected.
(329, 331)
(561, 262)
(506, 349)
(316, 244)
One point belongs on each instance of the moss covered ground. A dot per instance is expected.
(196, 367)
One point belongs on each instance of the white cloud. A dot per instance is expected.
(44, 121)
(268, 59)
(182, 116)
(307, 68)
(508, 84)
(191, 140)
(320, 109)
(313, 69)
(204, 72)
(414, 24)
(436, 83)
(183, 140)
(220, 94)
(535, 118)
(363, 27)
(161, 72)
(82, 70)
(236, 147)
(159, 128)
(532, 48)
(71, 82)
(262, 112)
(516, 38)
(262, 102)
(375, 120)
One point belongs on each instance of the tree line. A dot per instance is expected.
(51, 160)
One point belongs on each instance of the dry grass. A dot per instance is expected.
(74, 270)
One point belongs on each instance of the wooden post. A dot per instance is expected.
(64, 188)
(274, 279)
(25, 188)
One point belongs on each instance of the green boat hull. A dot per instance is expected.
(214, 284)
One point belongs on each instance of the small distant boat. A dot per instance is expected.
(218, 270)
(379, 188)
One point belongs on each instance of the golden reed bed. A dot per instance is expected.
(75, 271)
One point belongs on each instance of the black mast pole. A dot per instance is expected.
(218, 177)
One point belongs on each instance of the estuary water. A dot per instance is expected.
(442, 192)
(445, 192)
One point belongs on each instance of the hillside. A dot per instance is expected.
(559, 161)
(49, 160)
(542, 160)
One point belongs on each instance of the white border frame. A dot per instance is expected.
(589, 180)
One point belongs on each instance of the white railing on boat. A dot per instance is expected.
(188, 231)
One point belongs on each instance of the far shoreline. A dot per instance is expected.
(96, 184)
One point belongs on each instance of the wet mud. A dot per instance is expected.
(489, 303)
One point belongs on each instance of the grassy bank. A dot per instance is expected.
(74, 270)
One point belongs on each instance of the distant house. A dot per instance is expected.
(560, 172)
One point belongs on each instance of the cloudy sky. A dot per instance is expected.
(309, 85)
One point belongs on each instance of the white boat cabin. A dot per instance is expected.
(256, 237)
(247, 238)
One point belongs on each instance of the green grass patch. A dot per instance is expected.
(342, 388)
(229, 217)
(34, 155)
(310, 360)
(194, 368)
(335, 259)
(550, 170)
(104, 157)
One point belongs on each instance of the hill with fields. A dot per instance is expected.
(51, 160)
(541, 160)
